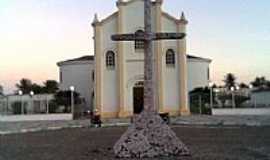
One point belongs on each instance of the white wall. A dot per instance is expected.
(260, 98)
(78, 74)
(36, 117)
(171, 86)
(241, 111)
(197, 74)
(30, 103)
(109, 83)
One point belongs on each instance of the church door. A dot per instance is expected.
(137, 99)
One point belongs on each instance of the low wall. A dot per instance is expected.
(241, 111)
(35, 117)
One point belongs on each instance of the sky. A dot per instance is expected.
(36, 34)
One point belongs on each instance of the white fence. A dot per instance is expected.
(241, 111)
(35, 117)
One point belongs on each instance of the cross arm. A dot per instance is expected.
(143, 37)
(126, 37)
(168, 36)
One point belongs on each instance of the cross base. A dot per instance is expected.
(149, 136)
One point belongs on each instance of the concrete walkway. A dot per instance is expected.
(223, 120)
(23, 127)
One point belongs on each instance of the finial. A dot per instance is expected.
(95, 21)
(183, 16)
(183, 19)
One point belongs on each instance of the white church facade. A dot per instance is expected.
(113, 78)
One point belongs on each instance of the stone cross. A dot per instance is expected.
(148, 136)
(148, 36)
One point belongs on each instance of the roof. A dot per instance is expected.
(199, 58)
(86, 58)
(258, 90)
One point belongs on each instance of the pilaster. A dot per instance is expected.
(182, 59)
(98, 65)
(158, 59)
(121, 64)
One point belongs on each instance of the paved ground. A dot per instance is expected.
(205, 143)
(223, 120)
(22, 127)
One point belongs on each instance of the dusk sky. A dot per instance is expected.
(36, 34)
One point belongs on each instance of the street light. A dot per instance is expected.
(31, 95)
(216, 90)
(233, 99)
(255, 103)
(211, 84)
(20, 94)
(72, 89)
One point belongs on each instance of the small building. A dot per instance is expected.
(260, 98)
(36, 104)
(78, 72)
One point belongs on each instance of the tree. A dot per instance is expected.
(63, 98)
(259, 82)
(37, 89)
(243, 85)
(25, 85)
(1, 90)
(229, 80)
(50, 86)
(200, 97)
(268, 84)
(239, 99)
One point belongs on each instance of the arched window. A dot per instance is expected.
(170, 57)
(139, 45)
(110, 59)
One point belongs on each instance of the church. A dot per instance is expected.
(114, 76)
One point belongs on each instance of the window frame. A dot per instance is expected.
(139, 45)
(110, 59)
(170, 58)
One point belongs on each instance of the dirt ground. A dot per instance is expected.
(205, 143)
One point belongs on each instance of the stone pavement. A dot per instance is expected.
(194, 120)
(222, 120)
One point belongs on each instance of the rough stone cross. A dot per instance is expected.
(148, 36)
(149, 136)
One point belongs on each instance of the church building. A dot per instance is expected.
(118, 67)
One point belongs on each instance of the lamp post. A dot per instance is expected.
(216, 91)
(255, 103)
(20, 94)
(31, 95)
(72, 89)
(233, 99)
(211, 84)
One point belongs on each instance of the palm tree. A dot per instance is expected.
(25, 85)
(229, 80)
(50, 86)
